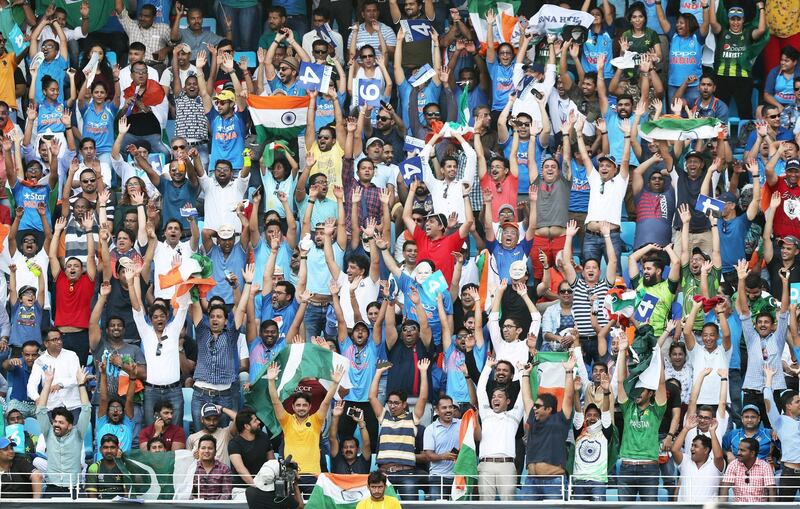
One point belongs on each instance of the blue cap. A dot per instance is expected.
(5, 442)
(608, 157)
(727, 197)
(754, 408)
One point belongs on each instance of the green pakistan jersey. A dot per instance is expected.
(730, 47)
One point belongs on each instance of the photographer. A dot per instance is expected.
(275, 487)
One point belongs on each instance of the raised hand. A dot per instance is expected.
(273, 371)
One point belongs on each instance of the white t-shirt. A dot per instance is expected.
(702, 359)
(366, 293)
(221, 201)
(24, 275)
(606, 205)
(701, 484)
(162, 263)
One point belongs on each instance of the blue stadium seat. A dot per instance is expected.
(627, 234)
(209, 24)
(250, 56)
(170, 128)
(187, 409)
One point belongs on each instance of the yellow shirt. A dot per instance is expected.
(329, 163)
(386, 503)
(783, 17)
(301, 440)
(8, 63)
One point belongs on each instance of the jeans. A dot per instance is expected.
(588, 490)
(314, 320)
(201, 396)
(153, 395)
(298, 23)
(638, 479)
(77, 342)
(246, 25)
(735, 390)
(439, 487)
(153, 139)
(405, 484)
(594, 246)
(543, 488)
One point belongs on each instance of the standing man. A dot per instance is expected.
(57, 360)
(788, 430)
(63, 437)
(702, 469)
(547, 435)
(301, 428)
(652, 282)
(440, 443)
(640, 447)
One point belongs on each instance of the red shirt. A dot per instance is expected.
(439, 251)
(74, 301)
(507, 194)
(172, 433)
(783, 224)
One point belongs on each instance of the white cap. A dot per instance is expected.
(265, 478)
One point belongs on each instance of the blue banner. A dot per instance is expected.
(369, 92)
(411, 169)
(645, 308)
(416, 30)
(706, 204)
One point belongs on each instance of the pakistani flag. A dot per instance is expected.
(278, 117)
(464, 115)
(99, 11)
(673, 128)
(159, 475)
(269, 152)
(466, 467)
(340, 491)
(298, 361)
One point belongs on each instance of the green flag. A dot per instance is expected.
(158, 475)
(99, 11)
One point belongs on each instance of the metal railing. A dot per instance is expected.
(420, 487)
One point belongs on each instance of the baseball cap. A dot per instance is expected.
(793, 163)
(209, 410)
(609, 158)
(25, 289)
(225, 232)
(291, 62)
(791, 239)
(697, 251)
(517, 270)
(362, 323)
(536, 67)
(736, 12)
(509, 224)
(505, 206)
(225, 95)
(5, 442)
(752, 407)
(439, 217)
(695, 153)
(727, 197)
(619, 282)
(373, 140)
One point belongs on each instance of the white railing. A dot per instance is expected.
(412, 488)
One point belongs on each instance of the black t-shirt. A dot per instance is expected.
(546, 439)
(673, 401)
(253, 453)
(513, 306)
(340, 466)
(119, 304)
(774, 267)
(17, 482)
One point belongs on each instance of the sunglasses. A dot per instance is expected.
(434, 114)
(370, 55)
(179, 147)
(284, 68)
(565, 292)
(158, 348)
(385, 119)
(89, 181)
(773, 116)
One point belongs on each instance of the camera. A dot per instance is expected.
(287, 476)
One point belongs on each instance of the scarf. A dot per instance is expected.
(151, 96)
(708, 304)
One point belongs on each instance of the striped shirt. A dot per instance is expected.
(215, 355)
(397, 439)
(76, 240)
(364, 37)
(154, 38)
(760, 351)
(582, 307)
(749, 484)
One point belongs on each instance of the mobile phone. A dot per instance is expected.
(385, 105)
(454, 450)
(354, 412)
(385, 364)
(536, 93)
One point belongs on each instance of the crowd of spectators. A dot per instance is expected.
(541, 207)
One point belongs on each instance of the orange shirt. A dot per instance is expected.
(8, 64)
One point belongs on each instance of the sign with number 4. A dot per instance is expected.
(416, 30)
(411, 169)
(314, 77)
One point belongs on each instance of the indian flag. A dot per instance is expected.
(278, 116)
(466, 467)
(297, 362)
(621, 304)
(341, 491)
(548, 376)
(477, 14)
(192, 276)
(673, 128)
(159, 475)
